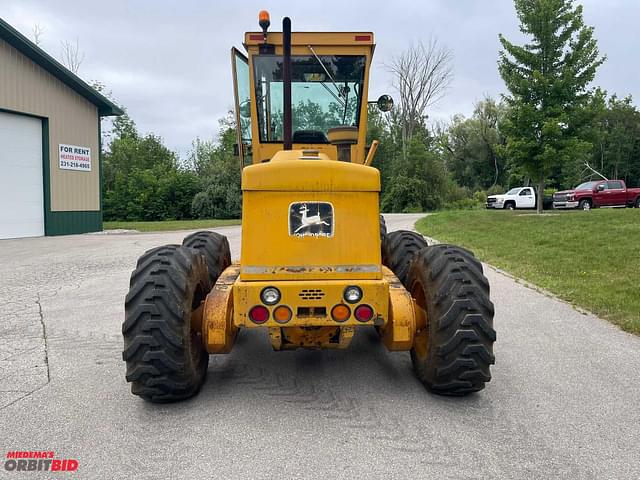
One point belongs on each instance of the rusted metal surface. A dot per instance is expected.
(277, 269)
(275, 336)
(218, 330)
(398, 332)
(291, 338)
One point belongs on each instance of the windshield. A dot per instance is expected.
(586, 186)
(325, 93)
(513, 191)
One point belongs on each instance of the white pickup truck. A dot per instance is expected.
(520, 197)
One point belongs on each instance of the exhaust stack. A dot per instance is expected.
(286, 87)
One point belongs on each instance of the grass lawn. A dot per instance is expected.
(169, 225)
(591, 259)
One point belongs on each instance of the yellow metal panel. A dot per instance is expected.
(310, 176)
(269, 252)
(247, 295)
(218, 329)
(313, 38)
(398, 332)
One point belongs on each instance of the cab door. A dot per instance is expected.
(618, 194)
(242, 96)
(601, 195)
(526, 198)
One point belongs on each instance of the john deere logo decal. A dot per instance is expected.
(311, 219)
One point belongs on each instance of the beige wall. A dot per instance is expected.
(27, 88)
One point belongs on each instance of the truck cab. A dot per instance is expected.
(329, 88)
(598, 193)
(519, 197)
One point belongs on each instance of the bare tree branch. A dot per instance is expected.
(421, 76)
(38, 31)
(72, 58)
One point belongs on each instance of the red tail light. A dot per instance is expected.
(364, 313)
(259, 314)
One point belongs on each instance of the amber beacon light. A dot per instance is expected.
(263, 20)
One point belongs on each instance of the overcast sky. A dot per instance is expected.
(168, 62)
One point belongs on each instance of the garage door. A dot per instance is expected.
(21, 196)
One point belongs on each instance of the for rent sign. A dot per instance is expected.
(73, 157)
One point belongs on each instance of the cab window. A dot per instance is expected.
(325, 93)
(614, 185)
(525, 192)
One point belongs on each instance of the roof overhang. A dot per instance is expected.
(29, 49)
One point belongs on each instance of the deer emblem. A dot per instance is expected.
(307, 221)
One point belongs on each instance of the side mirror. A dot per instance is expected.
(385, 103)
(245, 109)
(601, 187)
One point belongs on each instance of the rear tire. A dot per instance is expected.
(166, 360)
(399, 250)
(452, 354)
(214, 247)
(637, 205)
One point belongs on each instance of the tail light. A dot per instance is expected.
(259, 314)
(340, 313)
(282, 314)
(364, 313)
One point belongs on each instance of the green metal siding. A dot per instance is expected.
(67, 223)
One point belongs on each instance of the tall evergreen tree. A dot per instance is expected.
(547, 79)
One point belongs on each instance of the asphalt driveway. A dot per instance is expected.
(563, 402)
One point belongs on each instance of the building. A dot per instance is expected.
(50, 162)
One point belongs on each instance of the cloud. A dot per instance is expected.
(169, 63)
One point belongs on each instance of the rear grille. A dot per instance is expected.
(311, 294)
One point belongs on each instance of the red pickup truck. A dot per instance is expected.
(600, 193)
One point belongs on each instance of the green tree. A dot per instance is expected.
(379, 128)
(219, 175)
(622, 139)
(143, 179)
(547, 80)
(420, 182)
(471, 146)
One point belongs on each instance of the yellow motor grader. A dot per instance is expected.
(316, 262)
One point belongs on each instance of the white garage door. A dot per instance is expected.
(21, 195)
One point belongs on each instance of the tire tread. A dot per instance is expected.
(460, 315)
(398, 252)
(162, 363)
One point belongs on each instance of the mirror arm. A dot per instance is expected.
(372, 152)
